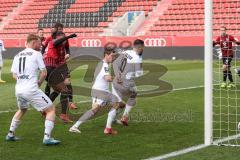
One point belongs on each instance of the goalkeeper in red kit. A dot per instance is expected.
(226, 43)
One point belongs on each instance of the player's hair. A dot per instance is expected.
(138, 42)
(108, 51)
(32, 37)
(57, 25)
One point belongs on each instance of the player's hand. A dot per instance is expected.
(67, 56)
(73, 35)
(108, 78)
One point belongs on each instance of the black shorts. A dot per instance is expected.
(227, 60)
(49, 71)
(58, 75)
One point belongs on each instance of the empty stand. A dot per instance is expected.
(187, 17)
(7, 6)
(85, 17)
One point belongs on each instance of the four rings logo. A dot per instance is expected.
(91, 43)
(155, 42)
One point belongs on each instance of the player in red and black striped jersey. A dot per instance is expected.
(58, 75)
(226, 43)
(58, 27)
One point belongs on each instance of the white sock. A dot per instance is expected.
(77, 124)
(111, 116)
(14, 124)
(127, 110)
(48, 128)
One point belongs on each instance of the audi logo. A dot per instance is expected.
(155, 42)
(91, 43)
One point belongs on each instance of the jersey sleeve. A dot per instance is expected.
(14, 68)
(3, 48)
(232, 39)
(217, 40)
(47, 40)
(40, 62)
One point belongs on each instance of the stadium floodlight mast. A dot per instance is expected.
(208, 74)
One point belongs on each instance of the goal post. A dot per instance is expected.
(208, 74)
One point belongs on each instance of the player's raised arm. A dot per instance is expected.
(62, 38)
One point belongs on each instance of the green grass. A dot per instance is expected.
(158, 125)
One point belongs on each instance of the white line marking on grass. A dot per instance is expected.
(186, 88)
(194, 148)
(180, 152)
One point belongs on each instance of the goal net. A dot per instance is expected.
(226, 98)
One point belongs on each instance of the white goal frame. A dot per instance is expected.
(208, 73)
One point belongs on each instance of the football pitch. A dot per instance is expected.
(159, 124)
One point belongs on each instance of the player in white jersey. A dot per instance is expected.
(127, 67)
(25, 69)
(2, 48)
(101, 95)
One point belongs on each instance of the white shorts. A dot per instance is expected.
(124, 94)
(38, 100)
(102, 98)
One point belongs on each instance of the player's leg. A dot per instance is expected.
(14, 124)
(70, 96)
(64, 104)
(23, 106)
(67, 81)
(129, 105)
(111, 117)
(41, 102)
(225, 73)
(47, 87)
(229, 73)
(49, 125)
(87, 115)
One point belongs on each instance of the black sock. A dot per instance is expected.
(70, 93)
(64, 102)
(224, 76)
(53, 96)
(47, 90)
(230, 76)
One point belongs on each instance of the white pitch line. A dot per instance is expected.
(180, 152)
(194, 87)
(193, 148)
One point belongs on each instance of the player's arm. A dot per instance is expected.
(108, 78)
(45, 44)
(14, 68)
(42, 68)
(61, 40)
(138, 70)
(67, 51)
(234, 40)
(42, 76)
(217, 42)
